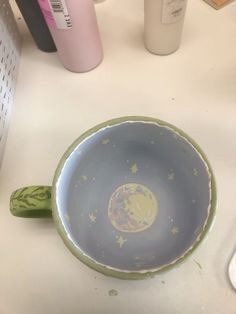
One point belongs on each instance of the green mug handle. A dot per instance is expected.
(32, 202)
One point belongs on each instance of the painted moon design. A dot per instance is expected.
(132, 208)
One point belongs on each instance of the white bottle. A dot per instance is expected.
(163, 24)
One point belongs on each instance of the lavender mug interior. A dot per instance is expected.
(130, 197)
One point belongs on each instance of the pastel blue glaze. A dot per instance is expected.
(168, 165)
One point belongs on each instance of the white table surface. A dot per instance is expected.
(195, 89)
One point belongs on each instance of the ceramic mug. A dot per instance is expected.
(130, 197)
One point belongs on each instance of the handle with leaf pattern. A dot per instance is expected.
(31, 202)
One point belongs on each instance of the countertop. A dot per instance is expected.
(194, 89)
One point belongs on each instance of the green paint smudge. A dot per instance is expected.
(113, 293)
(198, 264)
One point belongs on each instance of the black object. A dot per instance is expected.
(34, 19)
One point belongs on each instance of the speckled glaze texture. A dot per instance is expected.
(133, 196)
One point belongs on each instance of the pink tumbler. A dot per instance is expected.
(74, 28)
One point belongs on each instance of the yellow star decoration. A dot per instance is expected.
(195, 172)
(92, 217)
(121, 241)
(171, 176)
(106, 141)
(174, 230)
(134, 168)
(85, 178)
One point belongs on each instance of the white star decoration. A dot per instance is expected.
(171, 176)
(134, 168)
(92, 217)
(121, 241)
(67, 217)
(174, 230)
(106, 141)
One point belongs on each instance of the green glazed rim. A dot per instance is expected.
(106, 269)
